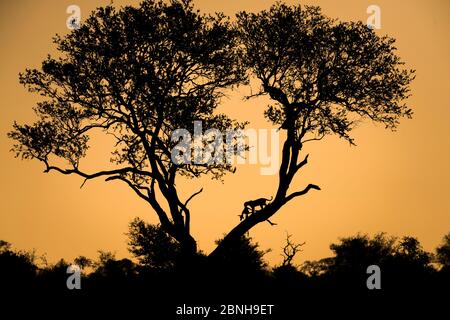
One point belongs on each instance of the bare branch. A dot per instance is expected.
(192, 196)
(88, 176)
(131, 185)
(315, 138)
(302, 163)
(300, 193)
(84, 181)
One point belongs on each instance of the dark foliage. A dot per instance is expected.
(152, 246)
(443, 252)
(408, 275)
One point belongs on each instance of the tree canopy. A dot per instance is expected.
(136, 74)
(323, 75)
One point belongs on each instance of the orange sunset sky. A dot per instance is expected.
(393, 182)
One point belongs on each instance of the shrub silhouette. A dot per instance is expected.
(403, 263)
(152, 245)
(243, 258)
(240, 275)
(443, 252)
(17, 268)
(443, 259)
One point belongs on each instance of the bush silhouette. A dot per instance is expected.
(152, 245)
(17, 269)
(443, 252)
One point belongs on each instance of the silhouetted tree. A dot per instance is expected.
(287, 274)
(411, 249)
(136, 74)
(139, 73)
(323, 76)
(83, 262)
(104, 257)
(411, 267)
(290, 250)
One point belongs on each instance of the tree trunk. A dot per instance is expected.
(288, 168)
(242, 228)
